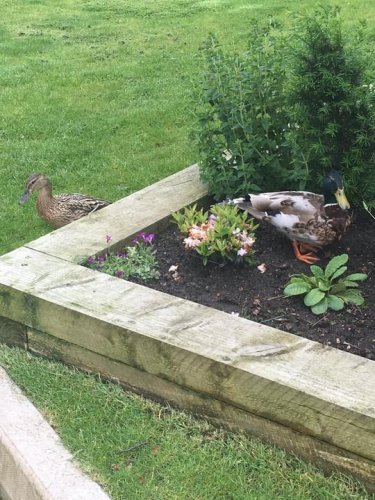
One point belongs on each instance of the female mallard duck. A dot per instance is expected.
(310, 220)
(61, 209)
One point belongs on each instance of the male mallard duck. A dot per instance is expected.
(310, 220)
(61, 209)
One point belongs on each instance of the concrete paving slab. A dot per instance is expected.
(34, 465)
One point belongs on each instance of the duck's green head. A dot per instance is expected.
(333, 189)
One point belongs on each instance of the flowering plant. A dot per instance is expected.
(226, 233)
(137, 260)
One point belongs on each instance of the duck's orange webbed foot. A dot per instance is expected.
(310, 247)
(307, 258)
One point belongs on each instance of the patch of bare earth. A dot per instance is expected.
(259, 297)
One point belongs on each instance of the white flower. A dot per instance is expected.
(241, 252)
(172, 269)
(227, 154)
(247, 240)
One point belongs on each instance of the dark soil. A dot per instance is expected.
(259, 297)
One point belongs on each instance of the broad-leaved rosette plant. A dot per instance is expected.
(323, 290)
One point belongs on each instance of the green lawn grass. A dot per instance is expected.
(98, 95)
(178, 457)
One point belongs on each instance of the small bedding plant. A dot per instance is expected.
(224, 233)
(323, 290)
(137, 260)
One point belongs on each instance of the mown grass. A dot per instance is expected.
(98, 95)
(178, 457)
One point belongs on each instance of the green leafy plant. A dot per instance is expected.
(296, 104)
(137, 260)
(227, 233)
(332, 104)
(324, 290)
(189, 217)
(242, 117)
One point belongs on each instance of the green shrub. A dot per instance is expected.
(242, 116)
(226, 234)
(292, 107)
(323, 290)
(333, 105)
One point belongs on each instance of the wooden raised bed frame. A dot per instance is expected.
(315, 401)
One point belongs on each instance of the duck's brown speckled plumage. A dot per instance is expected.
(61, 209)
(302, 216)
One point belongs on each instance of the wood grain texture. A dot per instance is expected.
(147, 209)
(326, 456)
(314, 400)
(315, 390)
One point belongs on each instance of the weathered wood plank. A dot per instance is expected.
(313, 389)
(12, 333)
(34, 465)
(326, 456)
(147, 209)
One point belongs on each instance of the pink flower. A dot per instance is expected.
(108, 238)
(241, 252)
(247, 240)
(191, 242)
(195, 232)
